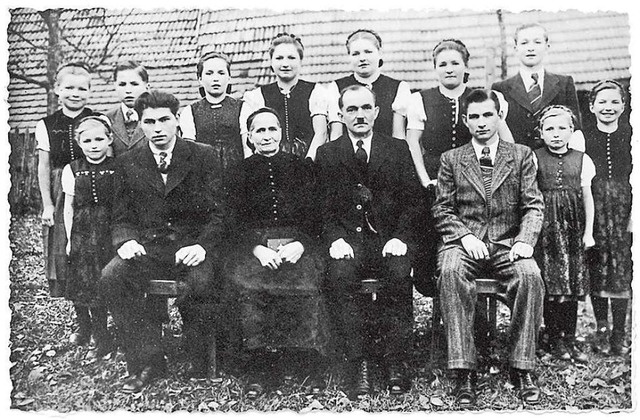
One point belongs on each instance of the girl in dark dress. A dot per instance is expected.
(88, 187)
(434, 120)
(608, 142)
(392, 96)
(215, 119)
(275, 270)
(302, 104)
(564, 177)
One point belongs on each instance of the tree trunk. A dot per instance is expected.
(51, 18)
(503, 45)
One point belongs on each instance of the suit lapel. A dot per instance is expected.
(379, 153)
(502, 167)
(471, 169)
(551, 89)
(150, 171)
(119, 128)
(518, 92)
(347, 156)
(180, 165)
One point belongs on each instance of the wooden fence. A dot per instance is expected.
(24, 195)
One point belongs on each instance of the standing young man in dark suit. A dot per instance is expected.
(489, 212)
(534, 88)
(371, 194)
(167, 224)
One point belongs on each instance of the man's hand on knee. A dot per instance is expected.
(131, 249)
(394, 247)
(191, 255)
(475, 247)
(340, 249)
(520, 250)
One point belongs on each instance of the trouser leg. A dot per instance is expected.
(458, 297)
(347, 307)
(525, 295)
(395, 310)
(124, 283)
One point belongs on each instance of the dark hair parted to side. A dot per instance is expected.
(369, 34)
(209, 56)
(530, 25)
(156, 99)
(352, 88)
(286, 38)
(131, 65)
(478, 96)
(604, 85)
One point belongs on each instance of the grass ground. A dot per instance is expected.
(47, 373)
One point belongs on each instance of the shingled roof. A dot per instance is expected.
(589, 46)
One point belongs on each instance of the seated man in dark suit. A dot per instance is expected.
(167, 223)
(489, 213)
(371, 195)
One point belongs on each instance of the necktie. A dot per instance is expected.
(163, 165)
(129, 116)
(535, 93)
(361, 154)
(485, 158)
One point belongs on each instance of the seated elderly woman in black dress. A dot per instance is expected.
(274, 271)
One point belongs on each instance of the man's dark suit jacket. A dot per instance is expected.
(186, 211)
(396, 194)
(521, 119)
(121, 141)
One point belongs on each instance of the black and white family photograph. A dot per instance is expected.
(251, 208)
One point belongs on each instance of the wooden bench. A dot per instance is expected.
(169, 288)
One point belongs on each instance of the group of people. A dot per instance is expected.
(277, 212)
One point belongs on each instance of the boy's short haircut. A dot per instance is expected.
(478, 96)
(530, 25)
(156, 99)
(75, 68)
(131, 65)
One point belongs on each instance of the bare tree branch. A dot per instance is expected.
(20, 76)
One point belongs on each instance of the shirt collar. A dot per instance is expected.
(493, 148)
(365, 140)
(157, 151)
(525, 74)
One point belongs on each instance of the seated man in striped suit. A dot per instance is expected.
(489, 212)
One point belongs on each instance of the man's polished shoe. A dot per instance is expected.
(526, 385)
(398, 381)
(465, 389)
(255, 386)
(360, 384)
(136, 383)
(315, 384)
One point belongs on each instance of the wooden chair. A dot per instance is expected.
(489, 293)
(169, 288)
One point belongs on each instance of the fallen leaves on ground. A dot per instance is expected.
(48, 373)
